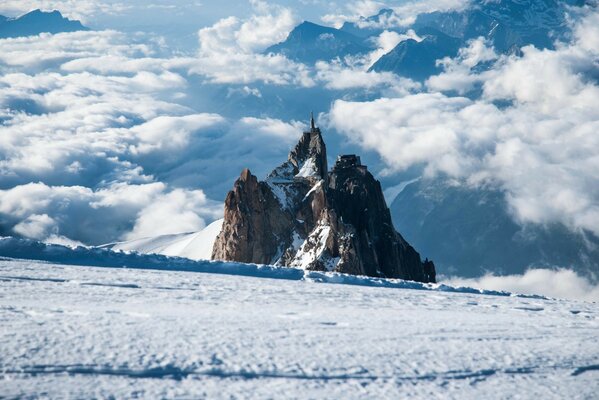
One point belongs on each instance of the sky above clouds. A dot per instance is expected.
(105, 135)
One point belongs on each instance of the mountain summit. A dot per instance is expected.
(305, 216)
(310, 42)
(36, 22)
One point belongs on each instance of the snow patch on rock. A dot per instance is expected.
(284, 192)
(308, 169)
(313, 252)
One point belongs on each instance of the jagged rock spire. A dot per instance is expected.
(310, 151)
(304, 216)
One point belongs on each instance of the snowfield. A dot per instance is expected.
(195, 245)
(96, 332)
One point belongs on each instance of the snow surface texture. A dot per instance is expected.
(195, 246)
(88, 332)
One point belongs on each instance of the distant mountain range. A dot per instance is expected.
(508, 25)
(469, 231)
(36, 22)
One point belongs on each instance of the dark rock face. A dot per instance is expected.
(253, 219)
(359, 199)
(303, 216)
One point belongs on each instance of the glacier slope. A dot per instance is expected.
(195, 245)
(73, 331)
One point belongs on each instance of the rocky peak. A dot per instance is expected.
(36, 22)
(306, 217)
(246, 175)
(309, 157)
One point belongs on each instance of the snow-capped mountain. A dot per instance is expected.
(36, 22)
(508, 25)
(302, 216)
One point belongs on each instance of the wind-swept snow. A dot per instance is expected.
(88, 332)
(196, 246)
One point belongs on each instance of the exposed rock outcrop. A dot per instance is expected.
(304, 216)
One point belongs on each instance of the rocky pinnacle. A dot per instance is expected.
(304, 216)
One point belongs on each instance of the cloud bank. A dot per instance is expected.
(561, 283)
(230, 49)
(532, 132)
(403, 13)
(98, 141)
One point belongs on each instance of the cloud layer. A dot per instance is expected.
(532, 132)
(560, 283)
(98, 141)
(404, 12)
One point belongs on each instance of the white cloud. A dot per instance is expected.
(561, 283)
(169, 134)
(422, 128)
(403, 15)
(37, 53)
(39, 226)
(101, 126)
(245, 91)
(271, 25)
(458, 75)
(87, 133)
(352, 72)
(540, 148)
(74, 9)
(338, 76)
(120, 210)
(174, 212)
(387, 41)
(249, 68)
(229, 50)
(271, 128)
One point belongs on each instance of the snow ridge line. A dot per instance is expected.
(26, 249)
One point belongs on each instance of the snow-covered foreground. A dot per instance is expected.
(88, 332)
